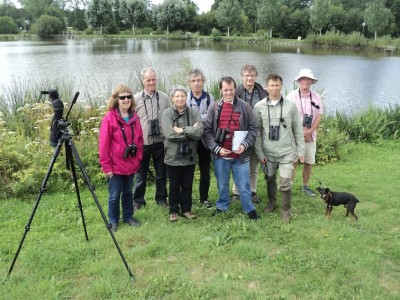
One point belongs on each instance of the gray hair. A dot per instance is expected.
(147, 70)
(248, 68)
(196, 72)
(178, 88)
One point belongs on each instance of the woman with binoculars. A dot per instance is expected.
(182, 129)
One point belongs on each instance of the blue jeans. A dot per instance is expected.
(120, 186)
(240, 173)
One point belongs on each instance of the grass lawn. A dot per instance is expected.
(223, 257)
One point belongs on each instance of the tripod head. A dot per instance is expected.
(58, 124)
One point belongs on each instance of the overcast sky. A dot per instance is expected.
(204, 5)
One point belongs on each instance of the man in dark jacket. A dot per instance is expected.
(251, 92)
(230, 131)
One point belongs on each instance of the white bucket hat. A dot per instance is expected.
(306, 73)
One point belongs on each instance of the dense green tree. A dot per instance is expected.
(377, 17)
(99, 14)
(206, 22)
(353, 20)
(171, 14)
(228, 13)
(8, 26)
(35, 8)
(76, 19)
(297, 4)
(320, 14)
(250, 8)
(192, 12)
(337, 19)
(47, 26)
(395, 10)
(270, 14)
(133, 11)
(295, 24)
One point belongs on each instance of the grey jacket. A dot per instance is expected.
(173, 141)
(247, 122)
(290, 137)
(150, 109)
(240, 93)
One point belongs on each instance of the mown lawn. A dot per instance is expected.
(223, 257)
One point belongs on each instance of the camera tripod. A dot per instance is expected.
(71, 154)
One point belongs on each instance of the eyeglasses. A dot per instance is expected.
(125, 97)
(196, 81)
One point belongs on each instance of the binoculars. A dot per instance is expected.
(154, 127)
(131, 149)
(307, 120)
(273, 133)
(221, 134)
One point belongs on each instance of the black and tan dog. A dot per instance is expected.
(338, 198)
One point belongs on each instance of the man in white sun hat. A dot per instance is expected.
(309, 106)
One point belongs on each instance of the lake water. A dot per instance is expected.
(348, 80)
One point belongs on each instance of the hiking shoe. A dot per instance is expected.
(207, 204)
(189, 215)
(173, 217)
(114, 227)
(306, 190)
(138, 206)
(163, 203)
(133, 222)
(253, 215)
(235, 198)
(254, 198)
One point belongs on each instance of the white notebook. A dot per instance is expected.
(238, 138)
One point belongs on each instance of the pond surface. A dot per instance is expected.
(348, 80)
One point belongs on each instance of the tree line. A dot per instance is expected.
(268, 18)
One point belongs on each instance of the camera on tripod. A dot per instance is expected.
(307, 120)
(130, 150)
(58, 123)
(154, 127)
(221, 134)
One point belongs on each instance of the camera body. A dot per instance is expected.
(154, 128)
(221, 134)
(273, 134)
(307, 120)
(130, 150)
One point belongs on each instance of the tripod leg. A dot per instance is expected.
(41, 191)
(91, 188)
(70, 163)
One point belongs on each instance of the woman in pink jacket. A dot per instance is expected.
(121, 152)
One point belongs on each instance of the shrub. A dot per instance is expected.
(89, 31)
(216, 34)
(8, 26)
(47, 26)
(330, 142)
(144, 30)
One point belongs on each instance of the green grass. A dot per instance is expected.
(222, 257)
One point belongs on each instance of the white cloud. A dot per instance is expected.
(204, 5)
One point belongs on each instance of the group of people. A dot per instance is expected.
(249, 125)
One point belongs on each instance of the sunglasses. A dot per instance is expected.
(315, 105)
(125, 97)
